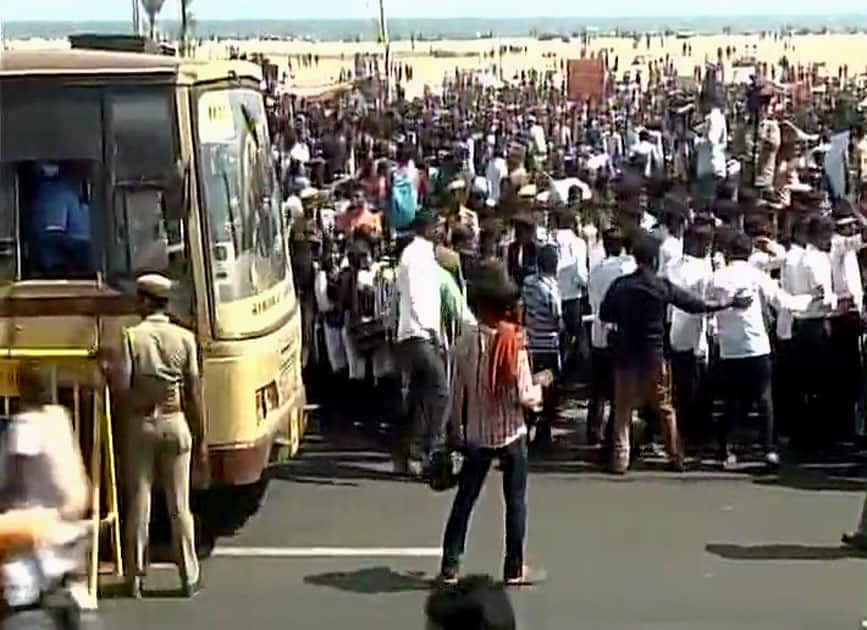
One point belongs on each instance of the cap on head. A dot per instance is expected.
(154, 285)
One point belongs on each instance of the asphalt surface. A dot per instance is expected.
(704, 550)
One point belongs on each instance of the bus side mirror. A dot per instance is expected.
(176, 194)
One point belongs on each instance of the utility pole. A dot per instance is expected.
(136, 18)
(184, 26)
(383, 35)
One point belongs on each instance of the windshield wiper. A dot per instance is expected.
(230, 211)
(251, 125)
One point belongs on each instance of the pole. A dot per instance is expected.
(184, 26)
(756, 107)
(136, 18)
(383, 34)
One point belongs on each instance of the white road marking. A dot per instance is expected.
(327, 552)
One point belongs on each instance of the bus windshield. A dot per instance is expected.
(245, 229)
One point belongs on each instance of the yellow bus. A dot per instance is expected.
(117, 164)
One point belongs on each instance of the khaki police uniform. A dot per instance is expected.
(160, 356)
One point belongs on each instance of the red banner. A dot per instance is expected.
(586, 80)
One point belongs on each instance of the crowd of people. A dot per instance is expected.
(688, 261)
(692, 257)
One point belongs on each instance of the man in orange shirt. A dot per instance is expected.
(359, 216)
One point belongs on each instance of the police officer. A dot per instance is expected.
(160, 377)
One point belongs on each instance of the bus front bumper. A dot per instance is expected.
(242, 464)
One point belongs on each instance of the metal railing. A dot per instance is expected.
(75, 373)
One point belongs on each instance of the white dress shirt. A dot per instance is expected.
(814, 274)
(560, 190)
(300, 152)
(790, 282)
(845, 271)
(648, 221)
(419, 301)
(836, 163)
(670, 251)
(601, 279)
(717, 135)
(742, 332)
(689, 332)
(653, 157)
(571, 264)
(495, 173)
(538, 135)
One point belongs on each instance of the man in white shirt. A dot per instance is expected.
(571, 277)
(616, 264)
(648, 152)
(495, 172)
(846, 319)
(419, 305)
(787, 363)
(711, 152)
(692, 272)
(537, 133)
(562, 190)
(836, 165)
(300, 151)
(671, 248)
(745, 348)
(813, 338)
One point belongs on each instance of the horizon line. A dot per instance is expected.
(721, 16)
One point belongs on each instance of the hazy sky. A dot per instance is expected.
(228, 9)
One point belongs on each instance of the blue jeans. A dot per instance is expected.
(477, 463)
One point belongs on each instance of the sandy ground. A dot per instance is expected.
(834, 50)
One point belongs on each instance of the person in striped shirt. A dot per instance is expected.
(491, 385)
(543, 321)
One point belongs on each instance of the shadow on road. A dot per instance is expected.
(338, 469)
(342, 453)
(374, 581)
(835, 474)
(782, 552)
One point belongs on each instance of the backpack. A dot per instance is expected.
(404, 201)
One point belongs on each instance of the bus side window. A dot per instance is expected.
(143, 132)
(148, 242)
(8, 222)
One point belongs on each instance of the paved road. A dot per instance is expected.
(700, 551)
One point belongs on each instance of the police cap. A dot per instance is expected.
(155, 285)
